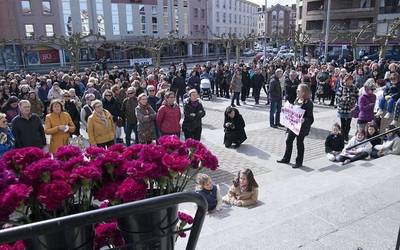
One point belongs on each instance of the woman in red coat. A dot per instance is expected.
(169, 115)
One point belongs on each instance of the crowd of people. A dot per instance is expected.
(151, 102)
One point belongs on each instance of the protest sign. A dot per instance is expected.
(291, 117)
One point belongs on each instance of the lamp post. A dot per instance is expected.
(265, 33)
(328, 21)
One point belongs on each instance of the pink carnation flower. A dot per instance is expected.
(151, 153)
(60, 175)
(85, 173)
(208, 160)
(18, 245)
(192, 144)
(52, 194)
(107, 191)
(18, 159)
(132, 152)
(118, 148)
(181, 234)
(176, 162)
(94, 151)
(11, 198)
(7, 177)
(185, 217)
(108, 234)
(139, 170)
(131, 190)
(40, 171)
(74, 162)
(65, 153)
(170, 142)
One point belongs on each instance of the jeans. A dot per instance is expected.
(390, 104)
(345, 124)
(235, 97)
(129, 127)
(289, 147)
(275, 112)
(245, 93)
(256, 93)
(397, 110)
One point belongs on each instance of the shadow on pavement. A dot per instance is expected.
(318, 133)
(250, 150)
(222, 213)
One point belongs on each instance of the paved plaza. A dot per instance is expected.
(320, 206)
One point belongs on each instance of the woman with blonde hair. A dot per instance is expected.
(302, 101)
(59, 125)
(100, 126)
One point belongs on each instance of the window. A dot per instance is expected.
(115, 19)
(203, 13)
(196, 12)
(49, 29)
(235, 20)
(165, 18)
(66, 10)
(83, 5)
(100, 17)
(26, 7)
(29, 31)
(129, 18)
(46, 7)
(217, 3)
(154, 9)
(196, 28)
(230, 17)
(142, 19)
(154, 23)
(217, 16)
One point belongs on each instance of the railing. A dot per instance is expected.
(87, 218)
(374, 137)
(398, 241)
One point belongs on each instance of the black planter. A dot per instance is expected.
(79, 238)
(153, 230)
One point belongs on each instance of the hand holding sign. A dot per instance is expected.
(292, 117)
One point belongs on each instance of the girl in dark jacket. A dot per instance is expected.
(194, 112)
(234, 128)
(334, 143)
(303, 101)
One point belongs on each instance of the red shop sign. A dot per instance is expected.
(49, 56)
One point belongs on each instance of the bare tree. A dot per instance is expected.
(354, 38)
(242, 43)
(72, 44)
(383, 41)
(300, 37)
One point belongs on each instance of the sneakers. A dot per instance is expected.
(388, 115)
(379, 113)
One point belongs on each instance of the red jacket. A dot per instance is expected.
(168, 118)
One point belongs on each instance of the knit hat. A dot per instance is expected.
(370, 84)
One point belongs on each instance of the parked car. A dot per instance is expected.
(249, 52)
(335, 55)
(389, 55)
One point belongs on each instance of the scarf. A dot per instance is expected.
(103, 118)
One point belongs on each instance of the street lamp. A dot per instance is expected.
(328, 20)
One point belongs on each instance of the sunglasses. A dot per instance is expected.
(108, 95)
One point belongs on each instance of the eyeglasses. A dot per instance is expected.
(130, 93)
(151, 90)
(66, 96)
(107, 95)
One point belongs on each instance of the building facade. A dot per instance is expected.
(233, 16)
(261, 21)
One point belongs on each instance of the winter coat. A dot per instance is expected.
(168, 118)
(334, 143)
(291, 89)
(390, 146)
(346, 99)
(153, 102)
(54, 94)
(178, 84)
(235, 133)
(366, 147)
(246, 80)
(236, 83)
(193, 112)
(113, 107)
(28, 132)
(98, 131)
(194, 82)
(308, 116)
(258, 81)
(128, 109)
(37, 107)
(7, 140)
(58, 138)
(86, 111)
(247, 198)
(145, 117)
(275, 89)
(72, 110)
(366, 104)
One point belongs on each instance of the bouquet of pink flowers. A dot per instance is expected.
(35, 185)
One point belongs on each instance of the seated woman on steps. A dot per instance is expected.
(358, 153)
(244, 191)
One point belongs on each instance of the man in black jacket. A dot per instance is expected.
(291, 84)
(275, 97)
(258, 82)
(28, 128)
(246, 84)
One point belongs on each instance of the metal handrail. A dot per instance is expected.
(398, 241)
(87, 218)
(374, 137)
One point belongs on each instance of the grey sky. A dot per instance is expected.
(273, 2)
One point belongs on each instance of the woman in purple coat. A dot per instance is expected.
(366, 104)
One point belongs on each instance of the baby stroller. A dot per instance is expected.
(205, 89)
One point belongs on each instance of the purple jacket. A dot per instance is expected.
(366, 104)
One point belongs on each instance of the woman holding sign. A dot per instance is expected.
(303, 101)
